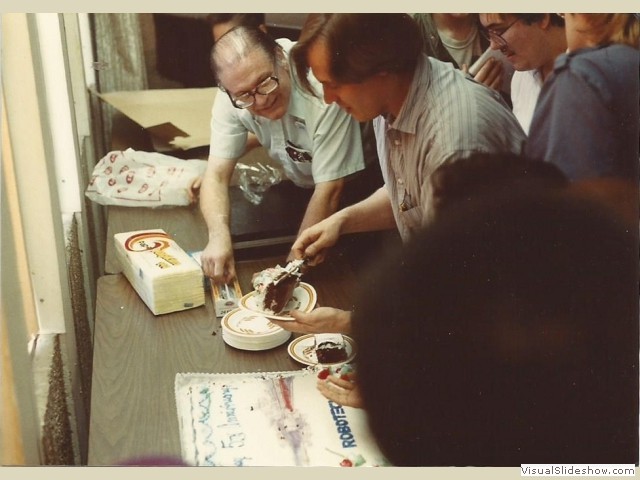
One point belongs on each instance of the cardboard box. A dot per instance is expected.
(163, 275)
(176, 119)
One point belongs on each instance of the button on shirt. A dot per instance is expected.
(313, 141)
(445, 116)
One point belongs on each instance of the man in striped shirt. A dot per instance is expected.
(425, 113)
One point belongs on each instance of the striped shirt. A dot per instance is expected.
(445, 116)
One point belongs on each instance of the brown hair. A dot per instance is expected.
(361, 44)
(246, 19)
(529, 18)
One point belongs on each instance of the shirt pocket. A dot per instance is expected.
(298, 154)
(412, 218)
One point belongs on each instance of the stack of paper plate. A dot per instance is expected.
(250, 331)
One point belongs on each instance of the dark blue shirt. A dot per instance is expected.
(586, 120)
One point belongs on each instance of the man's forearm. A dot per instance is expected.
(372, 213)
(214, 202)
(323, 202)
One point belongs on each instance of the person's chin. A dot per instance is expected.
(511, 57)
(274, 112)
(348, 110)
(519, 65)
(359, 116)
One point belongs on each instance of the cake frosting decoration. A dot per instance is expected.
(269, 419)
(274, 286)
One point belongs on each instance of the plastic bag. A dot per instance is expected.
(132, 178)
(254, 180)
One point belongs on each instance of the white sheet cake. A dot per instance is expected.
(269, 419)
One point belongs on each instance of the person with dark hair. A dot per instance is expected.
(425, 112)
(530, 42)
(483, 173)
(456, 38)
(587, 119)
(221, 23)
(506, 333)
(318, 145)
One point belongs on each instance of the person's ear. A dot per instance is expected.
(545, 23)
(281, 58)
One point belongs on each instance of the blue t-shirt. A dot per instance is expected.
(587, 119)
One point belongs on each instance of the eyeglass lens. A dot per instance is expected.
(247, 99)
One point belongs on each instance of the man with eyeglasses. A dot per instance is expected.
(531, 42)
(318, 145)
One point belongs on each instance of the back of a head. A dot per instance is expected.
(361, 44)
(506, 334)
(221, 23)
(246, 19)
(488, 173)
(609, 28)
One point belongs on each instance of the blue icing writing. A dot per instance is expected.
(203, 400)
(232, 439)
(205, 404)
(230, 409)
(342, 425)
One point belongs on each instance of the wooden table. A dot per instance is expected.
(137, 355)
(252, 226)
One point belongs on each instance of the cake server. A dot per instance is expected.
(294, 267)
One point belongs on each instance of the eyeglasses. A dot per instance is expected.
(246, 99)
(496, 37)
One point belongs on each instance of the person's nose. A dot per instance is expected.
(260, 100)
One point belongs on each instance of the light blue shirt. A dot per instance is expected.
(326, 140)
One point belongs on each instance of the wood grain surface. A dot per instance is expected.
(137, 356)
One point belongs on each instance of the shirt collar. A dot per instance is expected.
(406, 122)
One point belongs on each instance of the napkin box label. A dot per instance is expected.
(163, 275)
(226, 297)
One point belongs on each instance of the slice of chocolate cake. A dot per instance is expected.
(330, 348)
(275, 286)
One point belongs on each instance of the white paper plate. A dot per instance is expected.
(253, 346)
(245, 324)
(304, 299)
(302, 350)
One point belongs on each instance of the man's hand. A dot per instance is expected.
(490, 74)
(320, 320)
(194, 190)
(313, 242)
(217, 260)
